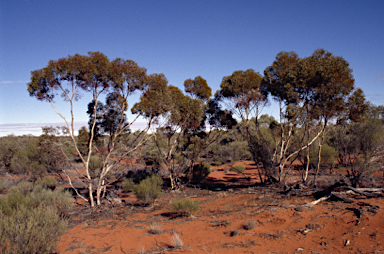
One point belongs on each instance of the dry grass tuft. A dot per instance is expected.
(154, 229)
(249, 225)
(177, 242)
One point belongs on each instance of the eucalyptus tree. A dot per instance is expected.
(243, 94)
(95, 74)
(359, 142)
(198, 88)
(173, 112)
(215, 122)
(312, 90)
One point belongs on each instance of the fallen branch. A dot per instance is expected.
(333, 196)
(366, 192)
(338, 197)
(318, 200)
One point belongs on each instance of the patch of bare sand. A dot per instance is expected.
(282, 226)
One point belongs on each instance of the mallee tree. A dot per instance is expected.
(95, 74)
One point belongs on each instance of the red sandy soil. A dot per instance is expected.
(283, 224)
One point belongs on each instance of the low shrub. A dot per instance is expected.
(6, 184)
(32, 218)
(128, 185)
(184, 206)
(217, 163)
(59, 200)
(15, 199)
(23, 187)
(48, 182)
(200, 172)
(95, 165)
(154, 229)
(4, 207)
(18, 196)
(27, 230)
(149, 189)
(240, 169)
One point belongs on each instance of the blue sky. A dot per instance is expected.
(182, 39)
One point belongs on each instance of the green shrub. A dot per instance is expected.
(4, 206)
(128, 185)
(95, 165)
(23, 187)
(6, 184)
(149, 189)
(29, 230)
(240, 169)
(20, 195)
(201, 160)
(48, 182)
(184, 206)
(32, 218)
(59, 200)
(217, 163)
(201, 171)
(15, 199)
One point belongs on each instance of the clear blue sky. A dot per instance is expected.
(182, 39)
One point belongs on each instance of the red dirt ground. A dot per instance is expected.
(282, 224)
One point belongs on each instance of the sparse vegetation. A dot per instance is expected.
(128, 185)
(47, 182)
(177, 242)
(184, 206)
(200, 172)
(240, 169)
(234, 232)
(149, 189)
(154, 229)
(249, 225)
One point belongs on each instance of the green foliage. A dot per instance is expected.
(83, 140)
(30, 230)
(29, 195)
(59, 200)
(200, 172)
(357, 143)
(198, 88)
(328, 156)
(33, 218)
(128, 185)
(217, 163)
(9, 145)
(95, 165)
(184, 206)
(36, 155)
(51, 149)
(149, 189)
(48, 182)
(240, 169)
(28, 159)
(23, 187)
